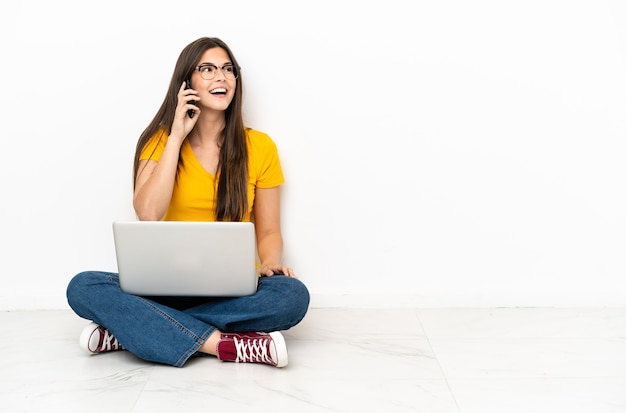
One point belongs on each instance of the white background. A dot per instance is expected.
(437, 153)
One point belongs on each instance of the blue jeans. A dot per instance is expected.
(169, 330)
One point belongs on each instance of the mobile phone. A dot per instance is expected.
(190, 112)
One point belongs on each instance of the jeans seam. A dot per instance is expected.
(198, 339)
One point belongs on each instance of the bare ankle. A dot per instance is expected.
(210, 345)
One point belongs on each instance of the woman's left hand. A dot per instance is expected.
(277, 269)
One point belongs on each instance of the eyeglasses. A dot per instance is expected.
(208, 71)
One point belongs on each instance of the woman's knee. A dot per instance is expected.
(302, 292)
(295, 297)
(81, 286)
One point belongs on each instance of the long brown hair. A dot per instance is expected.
(232, 169)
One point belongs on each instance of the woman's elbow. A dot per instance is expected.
(147, 214)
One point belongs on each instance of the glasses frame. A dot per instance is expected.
(234, 73)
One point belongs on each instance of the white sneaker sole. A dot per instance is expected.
(281, 349)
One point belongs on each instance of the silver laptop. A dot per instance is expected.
(181, 258)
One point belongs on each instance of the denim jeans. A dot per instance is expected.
(169, 330)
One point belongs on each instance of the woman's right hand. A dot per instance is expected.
(183, 124)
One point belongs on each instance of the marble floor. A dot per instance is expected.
(500, 360)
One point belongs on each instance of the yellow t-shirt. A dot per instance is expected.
(193, 197)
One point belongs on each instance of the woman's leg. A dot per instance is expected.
(157, 332)
(149, 330)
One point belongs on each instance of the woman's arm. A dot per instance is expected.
(268, 232)
(154, 182)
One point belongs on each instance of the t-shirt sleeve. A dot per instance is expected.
(153, 149)
(269, 172)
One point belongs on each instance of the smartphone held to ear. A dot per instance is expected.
(190, 112)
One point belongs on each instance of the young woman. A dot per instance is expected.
(197, 162)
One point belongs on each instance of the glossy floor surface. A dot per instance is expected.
(341, 360)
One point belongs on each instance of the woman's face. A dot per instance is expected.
(215, 82)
